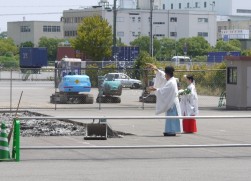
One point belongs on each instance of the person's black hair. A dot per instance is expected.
(169, 70)
(190, 77)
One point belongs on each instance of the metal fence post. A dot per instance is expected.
(16, 141)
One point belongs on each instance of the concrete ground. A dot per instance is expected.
(139, 164)
(160, 164)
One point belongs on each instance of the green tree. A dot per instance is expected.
(140, 70)
(143, 42)
(195, 46)
(51, 44)
(3, 34)
(232, 45)
(27, 44)
(167, 49)
(94, 38)
(246, 52)
(7, 45)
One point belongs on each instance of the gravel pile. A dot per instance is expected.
(44, 127)
(41, 127)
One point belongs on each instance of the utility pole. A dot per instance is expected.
(114, 22)
(151, 28)
(114, 30)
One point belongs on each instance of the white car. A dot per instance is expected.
(125, 80)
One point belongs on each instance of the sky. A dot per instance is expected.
(40, 10)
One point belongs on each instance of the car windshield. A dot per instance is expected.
(109, 77)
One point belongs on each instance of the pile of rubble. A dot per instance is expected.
(42, 127)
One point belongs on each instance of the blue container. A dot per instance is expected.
(217, 57)
(33, 57)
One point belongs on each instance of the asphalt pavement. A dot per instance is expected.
(231, 163)
(148, 164)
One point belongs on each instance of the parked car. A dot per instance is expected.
(125, 80)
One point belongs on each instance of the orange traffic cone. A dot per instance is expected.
(4, 146)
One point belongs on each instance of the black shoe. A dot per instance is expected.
(169, 134)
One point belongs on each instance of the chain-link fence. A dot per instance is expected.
(110, 88)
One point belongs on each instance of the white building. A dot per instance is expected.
(128, 4)
(221, 7)
(229, 25)
(23, 31)
(132, 23)
(234, 34)
(145, 4)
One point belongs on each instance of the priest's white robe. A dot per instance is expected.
(189, 102)
(168, 102)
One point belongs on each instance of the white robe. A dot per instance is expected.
(166, 93)
(189, 102)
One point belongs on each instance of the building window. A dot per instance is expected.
(70, 33)
(159, 35)
(44, 28)
(54, 29)
(179, 5)
(196, 5)
(25, 29)
(48, 28)
(188, 5)
(139, 19)
(205, 4)
(120, 34)
(172, 6)
(173, 19)
(219, 29)
(245, 11)
(51, 28)
(164, 6)
(232, 75)
(203, 34)
(159, 23)
(173, 34)
(133, 19)
(203, 20)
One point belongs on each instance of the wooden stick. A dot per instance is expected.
(12, 127)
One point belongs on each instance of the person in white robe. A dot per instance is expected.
(166, 91)
(189, 105)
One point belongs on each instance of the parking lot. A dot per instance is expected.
(221, 163)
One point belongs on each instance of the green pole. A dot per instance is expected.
(16, 141)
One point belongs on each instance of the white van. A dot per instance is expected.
(181, 60)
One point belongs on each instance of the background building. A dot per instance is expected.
(132, 23)
(221, 7)
(23, 31)
(233, 25)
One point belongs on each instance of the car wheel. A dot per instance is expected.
(135, 86)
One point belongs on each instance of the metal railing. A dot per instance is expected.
(139, 118)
